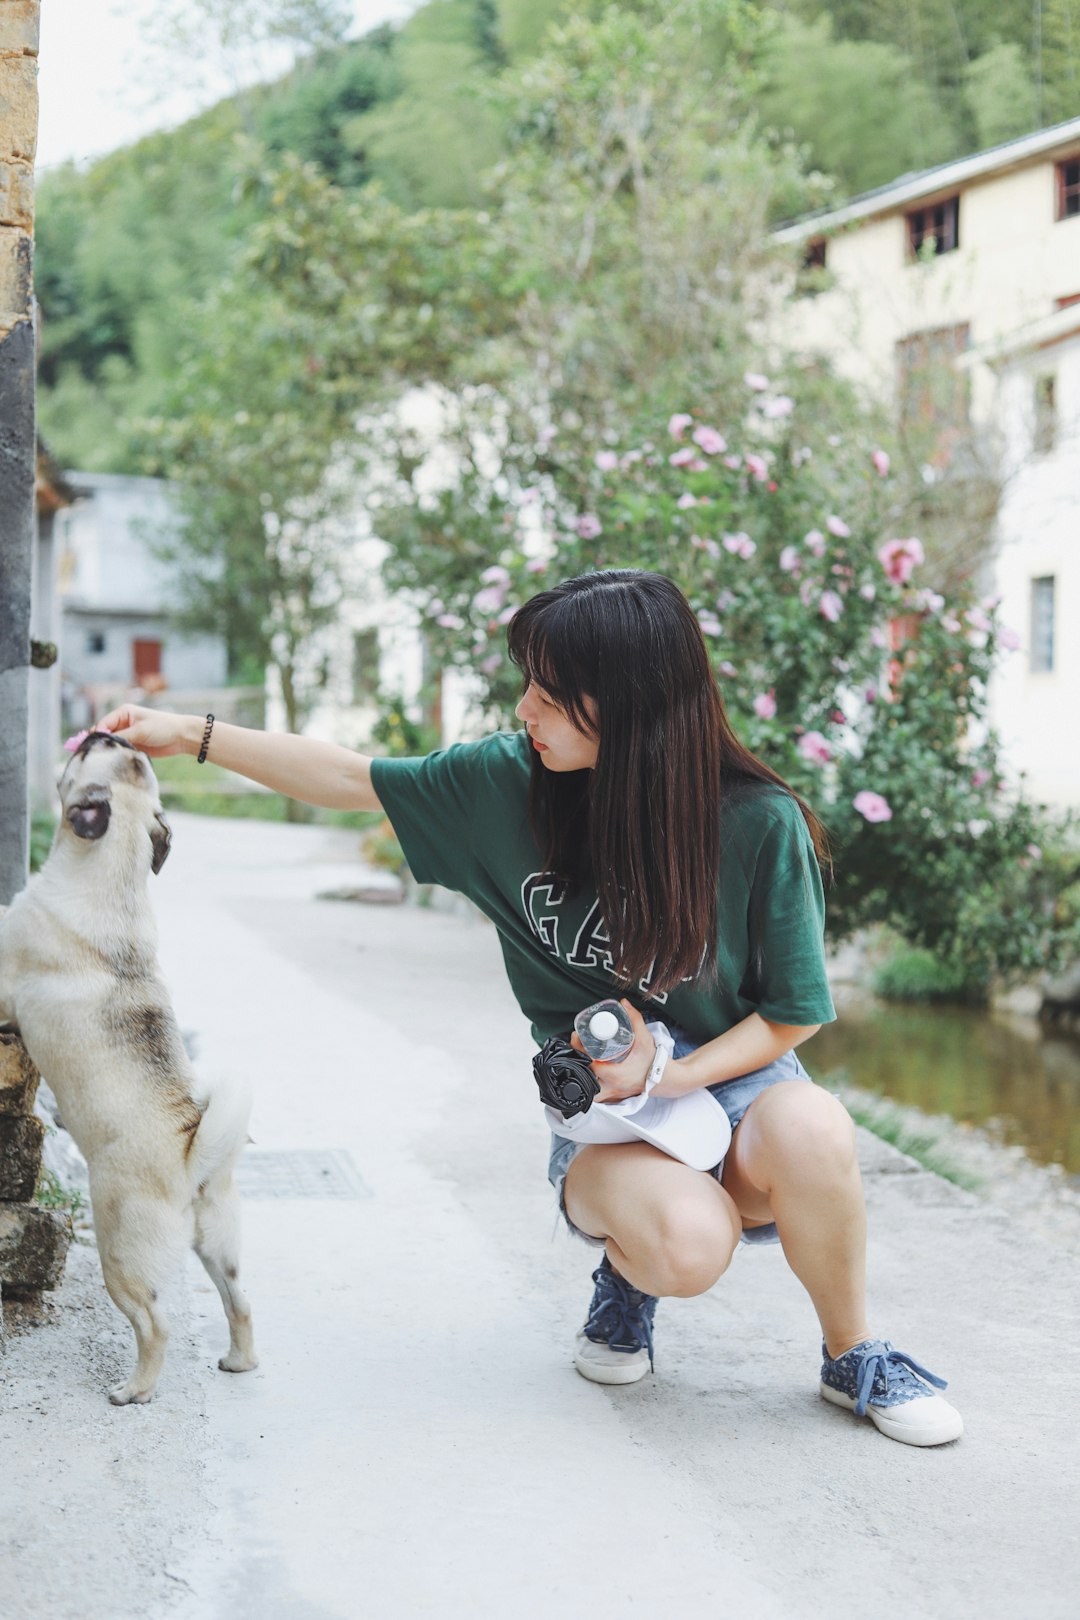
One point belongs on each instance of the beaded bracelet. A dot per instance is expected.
(201, 760)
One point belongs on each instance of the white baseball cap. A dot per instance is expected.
(693, 1128)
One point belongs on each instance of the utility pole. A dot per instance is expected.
(19, 21)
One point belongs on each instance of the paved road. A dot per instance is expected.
(416, 1442)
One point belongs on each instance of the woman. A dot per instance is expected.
(627, 840)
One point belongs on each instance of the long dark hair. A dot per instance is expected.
(645, 824)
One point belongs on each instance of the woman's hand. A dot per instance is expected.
(627, 1077)
(154, 731)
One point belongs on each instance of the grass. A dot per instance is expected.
(52, 1194)
(924, 1142)
(911, 974)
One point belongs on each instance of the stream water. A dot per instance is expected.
(980, 1068)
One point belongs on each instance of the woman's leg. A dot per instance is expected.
(793, 1161)
(668, 1229)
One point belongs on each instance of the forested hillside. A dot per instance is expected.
(861, 91)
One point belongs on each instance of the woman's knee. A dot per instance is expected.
(800, 1127)
(692, 1247)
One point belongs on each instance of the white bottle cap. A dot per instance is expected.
(604, 1025)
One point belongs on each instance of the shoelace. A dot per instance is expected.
(620, 1312)
(881, 1357)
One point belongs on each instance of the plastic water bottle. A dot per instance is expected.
(605, 1031)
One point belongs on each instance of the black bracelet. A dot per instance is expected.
(205, 740)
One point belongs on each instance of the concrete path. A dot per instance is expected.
(416, 1442)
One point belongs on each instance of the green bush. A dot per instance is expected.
(918, 975)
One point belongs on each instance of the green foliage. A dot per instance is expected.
(52, 1194)
(919, 975)
(1001, 95)
(316, 113)
(830, 93)
(42, 833)
(922, 1140)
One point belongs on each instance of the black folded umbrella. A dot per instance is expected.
(565, 1077)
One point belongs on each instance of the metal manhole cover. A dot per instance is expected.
(299, 1173)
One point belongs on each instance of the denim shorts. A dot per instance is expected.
(734, 1097)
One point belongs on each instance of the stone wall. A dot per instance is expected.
(33, 1241)
(18, 142)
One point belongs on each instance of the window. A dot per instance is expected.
(95, 641)
(365, 666)
(933, 391)
(816, 254)
(1042, 625)
(813, 275)
(934, 229)
(145, 660)
(1045, 416)
(1068, 188)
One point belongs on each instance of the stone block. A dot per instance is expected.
(20, 1156)
(18, 105)
(33, 1246)
(18, 1077)
(16, 269)
(20, 27)
(17, 195)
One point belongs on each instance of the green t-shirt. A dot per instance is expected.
(461, 816)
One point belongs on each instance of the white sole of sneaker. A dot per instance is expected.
(601, 1373)
(949, 1425)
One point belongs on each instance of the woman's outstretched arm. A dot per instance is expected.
(319, 773)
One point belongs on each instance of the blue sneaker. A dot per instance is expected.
(873, 1380)
(615, 1346)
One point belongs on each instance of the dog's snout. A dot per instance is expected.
(89, 818)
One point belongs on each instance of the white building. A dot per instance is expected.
(115, 596)
(971, 271)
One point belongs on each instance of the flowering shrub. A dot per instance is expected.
(864, 688)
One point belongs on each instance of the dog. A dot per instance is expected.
(79, 979)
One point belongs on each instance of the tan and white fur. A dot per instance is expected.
(79, 978)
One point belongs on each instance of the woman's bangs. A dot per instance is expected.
(550, 658)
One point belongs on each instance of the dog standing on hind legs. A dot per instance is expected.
(79, 979)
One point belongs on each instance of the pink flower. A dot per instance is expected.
(489, 665)
(765, 704)
(606, 460)
(1035, 852)
(588, 526)
(727, 668)
(880, 458)
(709, 623)
(878, 638)
(1008, 639)
(74, 743)
(489, 600)
(713, 443)
(831, 606)
(683, 457)
(951, 624)
(899, 558)
(686, 500)
(815, 542)
(782, 405)
(790, 561)
(867, 592)
(725, 600)
(758, 466)
(678, 424)
(871, 806)
(709, 545)
(536, 566)
(837, 526)
(980, 778)
(496, 575)
(977, 620)
(813, 748)
(740, 545)
(734, 462)
(450, 621)
(756, 381)
(870, 694)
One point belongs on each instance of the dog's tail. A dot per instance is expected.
(222, 1133)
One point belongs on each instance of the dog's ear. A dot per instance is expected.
(161, 838)
(89, 815)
